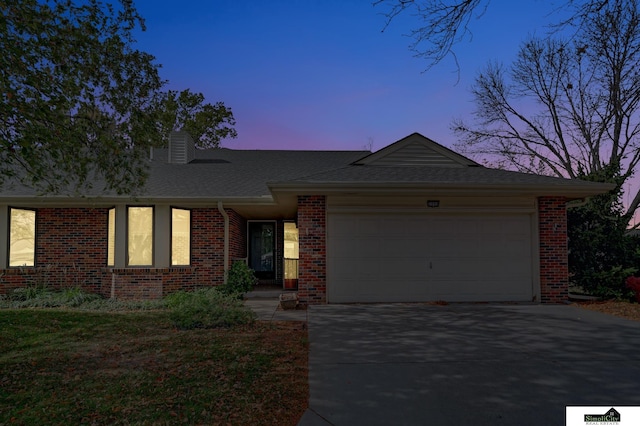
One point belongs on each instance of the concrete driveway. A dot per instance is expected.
(464, 364)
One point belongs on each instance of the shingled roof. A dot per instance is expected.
(216, 174)
(226, 173)
(413, 163)
(416, 163)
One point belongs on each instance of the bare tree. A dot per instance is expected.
(566, 108)
(441, 24)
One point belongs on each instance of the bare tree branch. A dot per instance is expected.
(443, 24)
(569, 108)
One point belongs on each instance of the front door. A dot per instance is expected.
(262, 248)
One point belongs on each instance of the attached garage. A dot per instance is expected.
(417, 222)
(409, 257)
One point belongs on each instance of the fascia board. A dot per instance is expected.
(388, 188)
(109, 201)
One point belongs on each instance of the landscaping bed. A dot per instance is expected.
(612, 307)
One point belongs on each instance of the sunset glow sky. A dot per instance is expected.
(320, 74)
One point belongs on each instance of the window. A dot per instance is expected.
(22, 237)
(180, 237)
(111, 238)
(140, 236)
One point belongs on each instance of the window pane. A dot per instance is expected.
(111, 237)
(140, 238)
(290, 241)
(180, 237)
(22, 238)
(291, 251)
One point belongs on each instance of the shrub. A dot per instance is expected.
(22, 294)
(602, 253)
(633, 283)
(42, 297)
(240, 279)
(206, 308)
(610, 283)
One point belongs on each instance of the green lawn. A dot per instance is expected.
(72, 367)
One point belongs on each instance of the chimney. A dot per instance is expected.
(181, 147)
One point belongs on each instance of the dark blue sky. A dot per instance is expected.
(320, 74)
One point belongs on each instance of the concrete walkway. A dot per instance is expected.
(266, 304)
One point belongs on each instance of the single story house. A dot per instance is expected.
(413, 221)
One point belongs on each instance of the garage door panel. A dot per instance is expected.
(415, 226)
(396, 247)
(480, 291)
(406, 291)
(344, 226)
(345, 247)
(369, 227)
(407, 268)
(369, 248)
(419, 257)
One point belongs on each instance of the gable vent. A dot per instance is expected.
(181, 148)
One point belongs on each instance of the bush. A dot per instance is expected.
(633, 283)
(240, 279)
(609, 283)
(602, 254)
(23, 294)
(206, 308)
(42, 297)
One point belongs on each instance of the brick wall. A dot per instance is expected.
(207, 245)
(237, 236)
(147, 283)
(554, 265)
(71, 250)
(71, 246)
(279, 254)
(312, 279)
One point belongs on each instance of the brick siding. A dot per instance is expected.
(554, 264)
(71, 251)
(312, 279)
(237, 236)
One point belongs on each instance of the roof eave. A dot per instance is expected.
(52, 201)
(574, 191)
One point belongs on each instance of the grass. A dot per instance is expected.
(61, 366)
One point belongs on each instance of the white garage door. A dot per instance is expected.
(387, 257)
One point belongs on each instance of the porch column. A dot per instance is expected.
(312, 237)
(554, 257)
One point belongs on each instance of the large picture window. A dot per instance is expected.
(140, 236)
(180, 237)
(22, 237)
